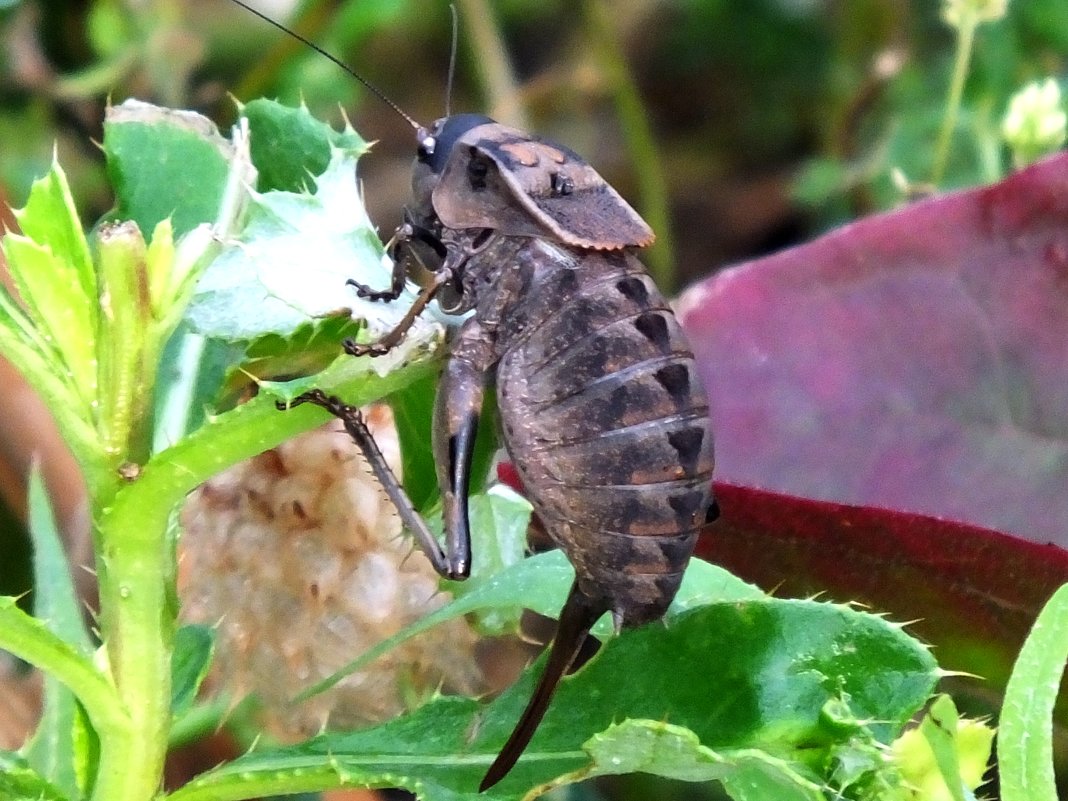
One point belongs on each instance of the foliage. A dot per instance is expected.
(799, 690)
(1025, 749)
(873, 104)
(919, 374)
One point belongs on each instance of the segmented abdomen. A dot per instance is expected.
(604, 417)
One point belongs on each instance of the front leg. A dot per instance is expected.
(457, 409)
(405, 233)
(397, 276)
(394, 337)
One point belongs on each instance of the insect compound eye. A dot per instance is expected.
(427, 145)
(477, 170)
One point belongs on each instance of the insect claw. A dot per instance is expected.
(373, 295)
(372, 349)
(362, 290)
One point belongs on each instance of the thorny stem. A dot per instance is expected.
(136, 568)
(639, 140)
(965, 45)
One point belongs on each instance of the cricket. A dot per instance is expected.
(600, 405)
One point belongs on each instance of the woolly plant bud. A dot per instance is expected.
(300, 560)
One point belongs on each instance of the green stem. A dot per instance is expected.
(965, 44)
(96, 80)
(640, 142)
(136, 562)
(139, 619)
(494, 68)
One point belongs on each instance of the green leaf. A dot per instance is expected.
(703, 583)
(17, 328)
(53, 272)
(539, 583)
(37, 362)
(939, 728)
(289, 146)
(288, 266)
(649, 746)
(753, 674)
(164, 163)
(306, 350)
(413, 409)
(205, 718)
(160, 274)
(291, 264)
(194, 646)
(1025, 739)
(187, 386)
(55, 598)
(20, 782)
(945, 757)
(499, 520)
(60, 746)
(413, 412)
(742, 676)
(31, 640)
(56, 306)
(50, 219)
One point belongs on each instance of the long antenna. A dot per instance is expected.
(370, 86)
(452, 60)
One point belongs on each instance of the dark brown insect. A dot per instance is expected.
(601, 408)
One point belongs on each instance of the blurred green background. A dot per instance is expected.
(736, 127)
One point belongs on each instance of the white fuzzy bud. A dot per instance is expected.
(1035, 123)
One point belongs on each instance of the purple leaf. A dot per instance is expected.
(973, 592)
(917, 360)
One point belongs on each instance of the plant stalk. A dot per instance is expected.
(965, 45)
(639, 140)
(494, 69)
(136, 567)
